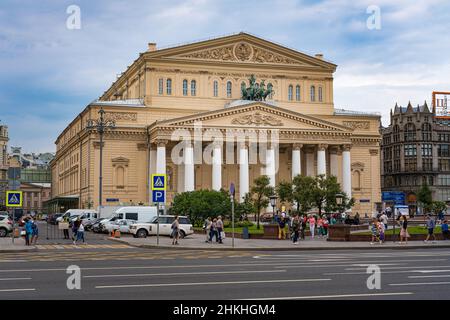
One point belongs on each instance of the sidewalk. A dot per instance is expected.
(6, 245)
(197, 242)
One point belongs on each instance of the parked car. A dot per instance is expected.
(89, 224)
(6, 225)
(74, 213)
(142, 230)
(123, 225)
(52, 219)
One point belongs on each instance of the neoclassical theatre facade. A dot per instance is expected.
(195, 89)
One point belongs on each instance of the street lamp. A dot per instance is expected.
(339, 198)
(100, 125)
(273, 202)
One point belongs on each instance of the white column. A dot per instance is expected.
(334, 170)
(296, 160)
(161, 157)
(309, 163)
(321, 160)
(217, 168)
(189, 174)
(346, 171)
(270, 165)
(243, 172)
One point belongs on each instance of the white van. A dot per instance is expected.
(136, 213)
(87, 214)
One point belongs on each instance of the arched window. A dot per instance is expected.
(410, 132)
(193, 88)
(313, 93)
(320, 94)
(290, 89)
(161, 86)
(270, 86)
(297, 93)
(185, 87)
(169, 86)
(426, 132)
(216, 88)
(229, 89)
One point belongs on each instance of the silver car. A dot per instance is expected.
(6, 226)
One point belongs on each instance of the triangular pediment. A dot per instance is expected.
(242, 48)
(255, 115)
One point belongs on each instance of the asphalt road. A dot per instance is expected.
(131, 273)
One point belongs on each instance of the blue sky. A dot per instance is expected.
(50, 73)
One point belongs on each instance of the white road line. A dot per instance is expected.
(16, 290)
(418, 284)
(431, 271)
(10, 279)
(432, 276)
(208, 283)
(409, 267)
(180, 273)
(1, 261)
(332, 265)
(336, 296)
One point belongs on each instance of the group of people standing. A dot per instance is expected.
(31, 231)
(77, 230)
(214, 229)
(298, 225)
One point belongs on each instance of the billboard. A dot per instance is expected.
(441, 101)
(397, 197)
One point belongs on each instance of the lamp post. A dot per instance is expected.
(273, 202)
(339, 198)
(100, 125)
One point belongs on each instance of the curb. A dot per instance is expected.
(298, 248)
(17, 251)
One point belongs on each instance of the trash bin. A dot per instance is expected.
(245, 234)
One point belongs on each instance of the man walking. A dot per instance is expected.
(219, 228)
(207, 228)
(431, 224)
(295, 229)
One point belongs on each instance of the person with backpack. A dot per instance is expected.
(295, 229)
(175, 230)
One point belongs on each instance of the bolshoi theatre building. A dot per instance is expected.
(187, 90)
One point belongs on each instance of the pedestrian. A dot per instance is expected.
(75, 226)
(207, 228)
(381, 231)
(303, 227)
(404, 235)
(79, 231)
(444, 227)
(384, 220)
(431, 224)
(441, 217)
(374, 230)
(333, 220)
(295, 229)
(357, 218)
(320, 226)
(175, 230)
(282, 229)
(34, 232)
(28, 231)
(220, 232)
(66, 227)
(213, 231)
(325, 227)
(312, 225)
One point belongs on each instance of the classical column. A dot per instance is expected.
(161, 156)
(243, 172)
(217, 167)
(346, 170)
(310, 162)
(296, 160)
(189, 173)
(334, 169)
(270, 164)
(321, 159)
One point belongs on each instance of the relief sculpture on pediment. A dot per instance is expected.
(257, 119)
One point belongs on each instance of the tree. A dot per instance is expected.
(424, 196)
(285, 191)
(244, 208)
(302, 192)
(260, 193)
(438, 206)
(324, 194)
(200, 204)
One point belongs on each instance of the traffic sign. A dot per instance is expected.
(14, 198)
(159, 182)
(159, 196)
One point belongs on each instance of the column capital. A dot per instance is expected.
(322, 147)
(297, 146)
(346, 147)
(161, 142)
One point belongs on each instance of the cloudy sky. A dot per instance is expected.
(49, 73)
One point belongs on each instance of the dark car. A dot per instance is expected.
(90, 224)
(52, 218)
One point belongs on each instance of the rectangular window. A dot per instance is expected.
(427, 164)
(410, 150)
(427, 150)
(320, 94)
(444, 164)
(297, 93)
(443, 150)
(131, 216)
(161, 86)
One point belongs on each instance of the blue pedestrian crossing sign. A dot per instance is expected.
(14, 198)
(159, 182)
(159, 196)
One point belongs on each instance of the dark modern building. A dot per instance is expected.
(416, 151)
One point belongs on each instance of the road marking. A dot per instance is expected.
(431, 271)
(418, 283)
(180, 274)
(1, 261)
(209, 283)
(9, 279)
(16, 290)
(336, 296)
(409, 267)
(432, 276)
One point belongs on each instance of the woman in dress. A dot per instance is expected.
(404, 235)
(175, 230)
